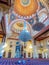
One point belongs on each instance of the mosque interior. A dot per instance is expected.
(24, 29)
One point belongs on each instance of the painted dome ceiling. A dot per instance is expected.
(18, 25)
(25, 8)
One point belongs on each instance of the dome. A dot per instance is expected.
(25, 7)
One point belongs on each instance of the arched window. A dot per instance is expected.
(24, 54)
(9, 54)
(28, 54)
(21, 48)
(4, 54)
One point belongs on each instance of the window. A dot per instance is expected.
(10, 46)
(9, 54)
(24, 55)
(21, 48)
(28, 54)
(4, 54)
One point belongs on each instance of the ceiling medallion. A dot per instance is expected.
(20, 24)
(26, 9)
(25, 2)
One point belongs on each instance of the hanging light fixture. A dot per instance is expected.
(25, 34)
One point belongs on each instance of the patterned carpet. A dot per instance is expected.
(24, 62)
